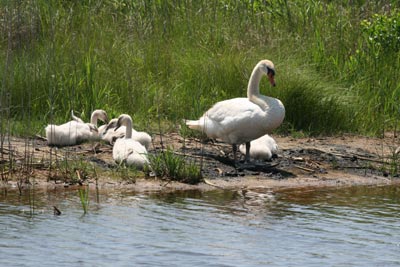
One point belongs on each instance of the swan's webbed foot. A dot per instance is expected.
(247, 163)
(247, 156)
(234, 150)
(235, 161)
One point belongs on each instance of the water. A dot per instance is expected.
(358, 226)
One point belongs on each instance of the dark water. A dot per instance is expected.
(357, 226)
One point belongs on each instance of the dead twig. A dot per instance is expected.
(57, 212)
(353, 156)
(186, 155)
(39, 137)
(304, 168)
(212, 184)
(78, 174)
(164, 185)
(355, 167)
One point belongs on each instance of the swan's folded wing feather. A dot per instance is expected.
(235, 109)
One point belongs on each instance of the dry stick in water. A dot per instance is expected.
(57, 212)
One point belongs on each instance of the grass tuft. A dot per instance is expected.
(166, 164)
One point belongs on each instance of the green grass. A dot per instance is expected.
(166, 164)
(83, 193)
(173, 59)
(126, 173)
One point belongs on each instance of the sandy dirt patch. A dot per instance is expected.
(302, 162)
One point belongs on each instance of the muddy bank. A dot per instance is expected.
(301, 162)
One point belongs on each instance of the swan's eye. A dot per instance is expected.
(270, 71)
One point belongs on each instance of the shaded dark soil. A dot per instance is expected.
(313, 156)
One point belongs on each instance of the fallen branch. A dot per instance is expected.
(212, 184)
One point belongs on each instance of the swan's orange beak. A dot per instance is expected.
(271, 79)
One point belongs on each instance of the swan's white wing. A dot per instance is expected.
(65, 134)
(143, 138)
(235, 121)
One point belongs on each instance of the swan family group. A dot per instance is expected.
(129, 145)
(244, 122)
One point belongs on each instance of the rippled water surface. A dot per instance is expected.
(357, 226)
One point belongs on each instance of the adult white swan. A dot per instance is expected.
(127, 150)
(75, 131)
(110, 134)
(261, 148)
(240, 120)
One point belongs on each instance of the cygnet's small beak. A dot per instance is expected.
(271, 79)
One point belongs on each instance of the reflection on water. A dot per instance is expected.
(356, 226)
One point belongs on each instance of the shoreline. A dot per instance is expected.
(338, 161)
(151, 185)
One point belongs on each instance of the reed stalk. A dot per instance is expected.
(83, 193)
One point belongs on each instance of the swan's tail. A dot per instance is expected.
(193, 124)
(75, 118)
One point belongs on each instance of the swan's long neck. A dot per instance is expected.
(94, 118)
(128, 125)
(253, 90)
